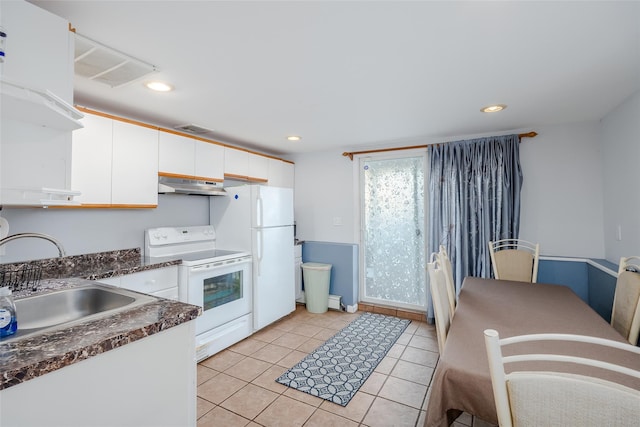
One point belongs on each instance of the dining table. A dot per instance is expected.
(461, 381)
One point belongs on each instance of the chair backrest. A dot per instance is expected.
(515, 259)
(631, 263)
(438, 285)
(625, 314)
(445, 264)
(543, 398)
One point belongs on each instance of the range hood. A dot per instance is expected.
(190, 186)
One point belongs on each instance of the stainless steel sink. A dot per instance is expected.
(63, 308)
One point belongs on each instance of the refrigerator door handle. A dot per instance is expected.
(260, 250)
(259, 211)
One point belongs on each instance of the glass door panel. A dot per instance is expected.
(393, 224)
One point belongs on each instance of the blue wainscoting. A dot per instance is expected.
(566, 272)
(602, 287)
(343, 258)
(594, 280)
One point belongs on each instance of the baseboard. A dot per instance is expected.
(352, 308)
(335, 301)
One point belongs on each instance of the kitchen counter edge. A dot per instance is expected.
(36, 355)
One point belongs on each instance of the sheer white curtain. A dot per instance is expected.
(392, 238)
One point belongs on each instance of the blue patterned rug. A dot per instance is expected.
(337, 369)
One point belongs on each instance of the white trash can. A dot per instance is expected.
(316, 286)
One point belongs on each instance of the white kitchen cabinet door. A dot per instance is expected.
(160, 282)
(39, 49)
(288, 174)
(176, 155)
(35, 139)
(258, 168)
(275, 173)
(114, 388)
(135, 165)
(209, 161)
(236, 163)
(281, 173)
(91, 160)
(152, 281)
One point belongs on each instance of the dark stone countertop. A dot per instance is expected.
(93, 266)
(31, 356)
(37, 354)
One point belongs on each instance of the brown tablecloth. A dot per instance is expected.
(461, 381)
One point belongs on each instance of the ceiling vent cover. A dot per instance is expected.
(191, 128)
(98, 62)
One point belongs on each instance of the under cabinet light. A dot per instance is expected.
(294, 138)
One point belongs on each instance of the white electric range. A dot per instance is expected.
(217, 280)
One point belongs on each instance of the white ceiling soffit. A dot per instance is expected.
(100, 63)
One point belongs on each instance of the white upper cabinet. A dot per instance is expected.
(242, 165)
(275, 173)
(236, 163)
(183, 157)
(35, 140)
(134, 178)
(38, 50)
(258, 168)
(115, 163)
(176, 155)
(37, 71)
(281, 173)
(92, 159)
(209, 161)
(288, 174)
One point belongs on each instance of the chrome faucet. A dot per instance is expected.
(37, 235)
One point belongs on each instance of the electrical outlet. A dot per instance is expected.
(619, 233)
(337, 220)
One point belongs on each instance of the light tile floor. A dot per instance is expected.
(237, 386)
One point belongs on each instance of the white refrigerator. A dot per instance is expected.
(259, 219)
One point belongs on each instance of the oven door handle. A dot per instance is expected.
(216, 265)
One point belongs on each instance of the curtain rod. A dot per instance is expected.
(350, 155)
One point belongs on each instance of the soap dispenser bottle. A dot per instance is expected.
(8, 321)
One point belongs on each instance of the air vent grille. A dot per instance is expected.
(191, 128)
(105, 65)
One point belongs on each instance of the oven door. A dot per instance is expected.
(222, 289)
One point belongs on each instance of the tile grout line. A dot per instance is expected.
(302, 323)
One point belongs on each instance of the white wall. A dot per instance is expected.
(562, 198)
(561, 205)
(324, 192)
(561, 195)
(84, 231)
(621, 164)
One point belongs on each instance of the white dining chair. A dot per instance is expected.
(515, 259)
(437, 284)
(556, 398)
(625, 314)
(445, 264)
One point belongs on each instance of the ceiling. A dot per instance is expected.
(351, 75)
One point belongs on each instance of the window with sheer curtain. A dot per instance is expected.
(392, 230)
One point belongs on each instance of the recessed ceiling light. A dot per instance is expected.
(159, 86)
(493, 108)
(294, 138)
